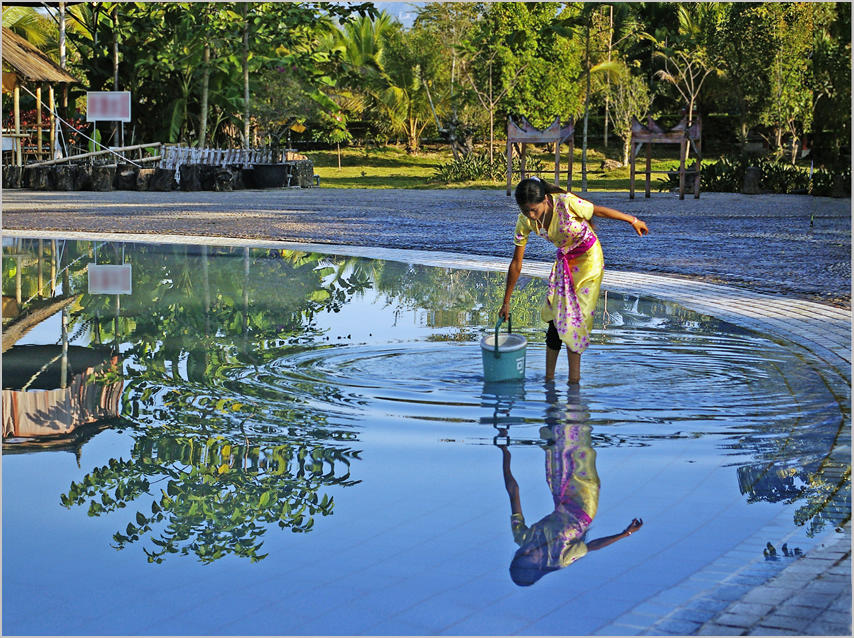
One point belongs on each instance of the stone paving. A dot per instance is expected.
(763, 243)
(755, 244)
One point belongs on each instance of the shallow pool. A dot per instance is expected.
(304, 444)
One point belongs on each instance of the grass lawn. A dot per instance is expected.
(393, 167)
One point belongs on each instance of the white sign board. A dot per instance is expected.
(110, 106)
(109, 280)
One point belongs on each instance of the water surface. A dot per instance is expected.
(303, 444)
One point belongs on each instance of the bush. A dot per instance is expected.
(476, 166)
(727, 176)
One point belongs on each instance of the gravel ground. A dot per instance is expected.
(764, 243)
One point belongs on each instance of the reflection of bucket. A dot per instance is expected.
(503, 355)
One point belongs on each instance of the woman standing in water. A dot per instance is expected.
(563, 219)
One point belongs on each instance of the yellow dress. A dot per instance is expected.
(576, 275)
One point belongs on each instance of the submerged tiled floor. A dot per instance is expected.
(409, 592)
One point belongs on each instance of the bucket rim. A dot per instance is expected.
(488, 343)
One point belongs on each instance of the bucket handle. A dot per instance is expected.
(497, 326)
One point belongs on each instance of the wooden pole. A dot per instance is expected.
(39, 122)
(509, 159)
(51, 98)
(16, 101)
(648, 167)
(522, 160)
(41, 268)
(569, 169)
(683, 149)
(632, 171)
(557, 157)
(698, 148)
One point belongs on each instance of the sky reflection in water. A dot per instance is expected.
(318, 428)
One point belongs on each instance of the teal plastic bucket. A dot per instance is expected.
(503, 355)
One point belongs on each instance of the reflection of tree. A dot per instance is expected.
(457, 298)
(218, 497)
(228, 458)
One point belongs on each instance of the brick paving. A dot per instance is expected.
(753, 260)
(763, 243)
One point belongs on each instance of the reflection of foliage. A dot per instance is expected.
(219, 498)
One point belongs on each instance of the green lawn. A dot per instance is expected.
(392, 167)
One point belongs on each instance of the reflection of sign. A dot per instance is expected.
(109, 280)
(113, 106)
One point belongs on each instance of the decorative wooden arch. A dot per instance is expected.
(527, 133)
(651, 134)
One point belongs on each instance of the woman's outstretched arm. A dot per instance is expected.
(603, 211)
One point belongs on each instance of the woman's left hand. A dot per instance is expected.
(634, 526)
(639, 226)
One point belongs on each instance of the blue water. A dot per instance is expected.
(305, 445)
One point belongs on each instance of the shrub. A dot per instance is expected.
(476, 166)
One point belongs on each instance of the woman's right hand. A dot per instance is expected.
(504, 311)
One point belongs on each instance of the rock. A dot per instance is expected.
(82, 178)
(223, 180)
(752, 176)
(126, 177)
(103, 177)
(143, 178)
(247, 177)
(163, 180)
(63, 178)
(191, 179)
(38, 177)
(610, 165)
(302, 173)
(12, 177)
(207, 176)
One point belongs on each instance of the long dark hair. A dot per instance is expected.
(533, 190)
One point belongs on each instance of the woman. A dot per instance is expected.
(563, 219)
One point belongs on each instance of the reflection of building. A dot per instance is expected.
(35, 404)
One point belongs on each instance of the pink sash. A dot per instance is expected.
(566, 301)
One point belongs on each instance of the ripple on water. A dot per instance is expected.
(632, 378)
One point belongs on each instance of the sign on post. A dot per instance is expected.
(110, 106)
(110, 279)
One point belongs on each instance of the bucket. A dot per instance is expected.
(503, 355)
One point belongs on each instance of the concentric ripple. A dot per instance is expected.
(645, 382)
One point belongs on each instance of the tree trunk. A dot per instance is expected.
(116, 125)
(607, 77)
(586, 111)
(62, 57)
(491, 115)
(203, 114)
(245, 75)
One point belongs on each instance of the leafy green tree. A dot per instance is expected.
(790, 107)
(522, 36)
(630, 98)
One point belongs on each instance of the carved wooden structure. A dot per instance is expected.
(651, 134)
(527, 133)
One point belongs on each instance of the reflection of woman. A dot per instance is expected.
(559, 539)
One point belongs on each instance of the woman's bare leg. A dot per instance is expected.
(574, 366)
(551, 363)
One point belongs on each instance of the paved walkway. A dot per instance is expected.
(763, 243)
(812, 595)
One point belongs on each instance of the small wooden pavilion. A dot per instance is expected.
(25, 64)
(526, 133)
(651, 134)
